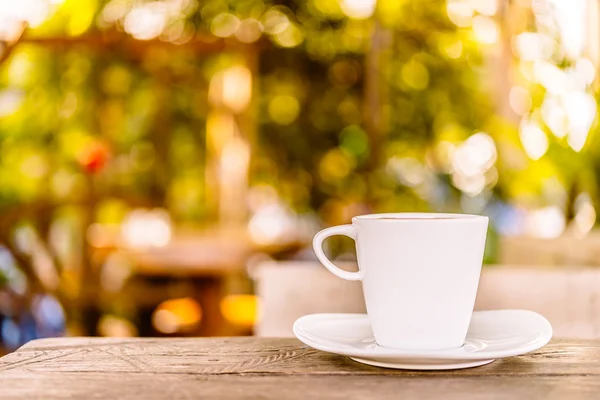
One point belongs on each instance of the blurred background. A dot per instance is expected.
(154, 152)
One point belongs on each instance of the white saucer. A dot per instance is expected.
(491, 335)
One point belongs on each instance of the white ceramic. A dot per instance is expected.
(419, 273)
(491, 335)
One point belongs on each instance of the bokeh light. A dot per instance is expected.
(177, 315)
(358, 9)
(224, 25)
(142, 140)
(272, 223)
(240, 309)
(232, 88)
(520, 100)
(548, 222)
(290, 36)
(113, 326)
(534, 140)
(146, 21)
(284, 109)
(275, 21)
(147, 228)
(249, 30)
(460, 12)
(485, 29)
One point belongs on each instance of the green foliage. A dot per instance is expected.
(343, 105)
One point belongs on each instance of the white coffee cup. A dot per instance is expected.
(419, 273)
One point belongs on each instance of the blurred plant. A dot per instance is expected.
(262, 114)
(554, 98)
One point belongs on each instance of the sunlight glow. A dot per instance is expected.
(555, 116)
(407, 170)
(224, 25)
(475, 156)
(485, 29)
(570, 16)
(471, 161)
(10, 101)
(550, 76)
(177, 315)
(520, 100)
(146, 228)
(220, 128)
(581, 112)
(15, 16)
(572, 115)
(531, 46)
(10, 29)
(460, 12)
(115, 10)
(249, 30)
(150, 19)
(271, 223)
(240, 309)
(147, 21)
(358, 9)
(232, 88)
(486, 7)
(546, 222)
(32, 12)
(235, 160)
(275, 22)
(585, 70)
(291, 36)
(114, 326)
(585, 215)
(534, 140)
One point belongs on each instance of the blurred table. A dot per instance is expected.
(206, 257)
(246, 367)
(203, 252)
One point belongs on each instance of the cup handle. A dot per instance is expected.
(345, 230)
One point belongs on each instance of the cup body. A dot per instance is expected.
(420, 273)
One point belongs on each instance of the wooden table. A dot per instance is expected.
(206, 258)
(246, 367)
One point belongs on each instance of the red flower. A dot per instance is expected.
(94, 156)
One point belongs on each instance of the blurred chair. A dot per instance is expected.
(564, 250)
(568, 297)
(288, 290)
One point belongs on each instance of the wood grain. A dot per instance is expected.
(231, 368)
(134, 387)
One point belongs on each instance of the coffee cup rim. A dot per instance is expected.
(418, 216)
